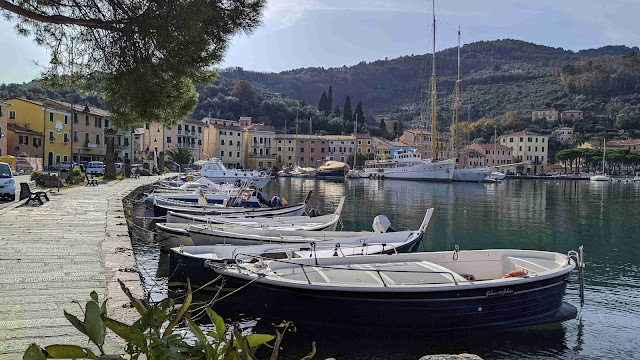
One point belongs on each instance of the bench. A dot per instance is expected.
(31, 191)
(91, 181)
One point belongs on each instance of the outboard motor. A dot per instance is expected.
(276, 201)
(263, 200)
(381, 224)
(314, 212)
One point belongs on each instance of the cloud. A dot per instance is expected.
(284, 13)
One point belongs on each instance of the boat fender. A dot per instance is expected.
(381, 224)
(516, 273)
(314, 212)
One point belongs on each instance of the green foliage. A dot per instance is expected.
(180, 155)
(347, 113)
(147, 338)
(143, 57)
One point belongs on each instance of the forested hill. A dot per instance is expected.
(497, 76)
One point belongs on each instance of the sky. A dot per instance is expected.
(333, 33)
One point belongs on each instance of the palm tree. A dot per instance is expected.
(180, 155)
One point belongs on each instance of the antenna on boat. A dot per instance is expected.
(434, 133)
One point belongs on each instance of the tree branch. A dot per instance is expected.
(59, 19)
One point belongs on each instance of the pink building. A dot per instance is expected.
(495, 155)
(311, 150)
(340, 147)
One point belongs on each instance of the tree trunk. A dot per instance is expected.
(110, 157)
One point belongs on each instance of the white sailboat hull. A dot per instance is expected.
(472, 174)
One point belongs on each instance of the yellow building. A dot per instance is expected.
(259, 140)
(286, 149)
(55, 124)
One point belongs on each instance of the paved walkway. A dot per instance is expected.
(53, 254)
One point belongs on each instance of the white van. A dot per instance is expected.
(95, 168)
(7, 183)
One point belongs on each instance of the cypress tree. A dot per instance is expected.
(330, 100)
(347, 114)
(322, 105)
(359, 112)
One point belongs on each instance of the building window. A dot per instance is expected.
(97, 139)
(168, 139)
(12, 115)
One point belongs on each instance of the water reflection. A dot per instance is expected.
(543, 214)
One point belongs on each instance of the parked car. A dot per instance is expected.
(95, 168)
(7, 182)
(64, 166)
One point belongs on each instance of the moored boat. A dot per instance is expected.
(428, 291)
(189, 261)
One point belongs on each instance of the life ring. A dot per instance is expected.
(246, 195)
(515, 273)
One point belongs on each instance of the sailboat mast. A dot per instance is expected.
(457, 104)
(434, 132)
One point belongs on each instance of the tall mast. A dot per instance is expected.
(434, 132)
(457, 104)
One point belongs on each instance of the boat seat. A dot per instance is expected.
(530, 264)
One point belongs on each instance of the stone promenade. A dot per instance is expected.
(53, 254)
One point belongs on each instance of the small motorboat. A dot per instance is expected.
(356, 174)
(189, 261)
(171, 235)
(213, 235)
(248, 202)
(436, 291)
(332, 168)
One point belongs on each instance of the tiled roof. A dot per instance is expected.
(523, 132)
(492, 146)
(23, 130)
(76, 107)
(623, 142)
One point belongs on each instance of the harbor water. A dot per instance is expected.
(522, 214)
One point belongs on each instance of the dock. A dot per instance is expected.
(58, 253)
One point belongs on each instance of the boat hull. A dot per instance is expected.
(504, 306)
(425, 171)
(260, 182)
(472, 174)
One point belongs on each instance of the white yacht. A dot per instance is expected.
(215, 171)
(410, 166)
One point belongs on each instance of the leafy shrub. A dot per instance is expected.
(148, 336)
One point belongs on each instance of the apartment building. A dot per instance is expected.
(340, 147)
(259, 144)
(528, 147)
